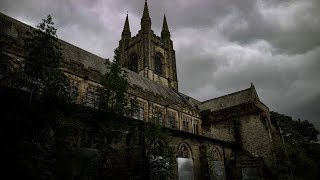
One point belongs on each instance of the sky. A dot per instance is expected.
(221, 45)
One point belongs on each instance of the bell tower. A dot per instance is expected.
(147, 54)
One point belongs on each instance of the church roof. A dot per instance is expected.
(229, 100)
(73, 54)
(157, 88)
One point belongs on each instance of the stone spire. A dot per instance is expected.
(145, 11)
(126, 28)
(165, 30)
(145, 20)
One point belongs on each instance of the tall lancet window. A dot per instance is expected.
(133, 63)
(158, 66)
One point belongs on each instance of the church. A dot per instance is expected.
(228, 137)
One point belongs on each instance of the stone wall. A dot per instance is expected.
(255, 138)
(223, 130)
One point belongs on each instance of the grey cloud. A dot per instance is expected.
(290, 26)
(221, 46)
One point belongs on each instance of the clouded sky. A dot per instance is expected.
(221, 45)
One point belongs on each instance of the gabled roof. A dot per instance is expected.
(229, 100)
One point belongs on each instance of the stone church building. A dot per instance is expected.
(228, 137)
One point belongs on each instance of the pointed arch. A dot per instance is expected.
(216, 155)
(216, 164)
(184, 151)
(157, 148)
(133, 64)
(159, 64)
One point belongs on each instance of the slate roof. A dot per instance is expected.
(156, 88)
(229, 100)
(73, 54)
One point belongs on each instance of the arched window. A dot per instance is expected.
(185, 162)
(133, 62)
(215, 155)
(184, 151)
(158, 65)
(216, 167)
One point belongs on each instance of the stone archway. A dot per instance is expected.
(185, 162)
(216, 165)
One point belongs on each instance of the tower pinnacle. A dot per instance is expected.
(165, 30)
(126, 28)
(145, 20)
(145, 11)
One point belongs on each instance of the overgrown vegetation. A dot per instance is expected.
(41, 73)
(112, 93)
(301, 146)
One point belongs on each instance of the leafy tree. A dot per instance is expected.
(112, 96)
(41, 75)
(300, 142)
(41, 72)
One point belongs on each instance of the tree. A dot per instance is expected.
(111, 95)
(300, 142)
(41, 72)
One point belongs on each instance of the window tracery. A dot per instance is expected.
(215, 155)
(158, 114)
(185, 123)
(133, 62)
(158, 65)
(184, 151)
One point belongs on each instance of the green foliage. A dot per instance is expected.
(111, 96)
(296, 131)
(300, 143)
(41, 74)
(160, 155)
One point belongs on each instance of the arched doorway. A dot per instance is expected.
(185, 162)
(216, 166)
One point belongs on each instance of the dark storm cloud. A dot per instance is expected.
(221, 46)
(290, 26)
